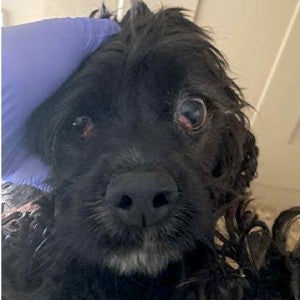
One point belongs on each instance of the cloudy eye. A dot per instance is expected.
(84, 125)
(191, 114)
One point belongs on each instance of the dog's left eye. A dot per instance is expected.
(191, 114)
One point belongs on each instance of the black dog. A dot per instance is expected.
(146, 142)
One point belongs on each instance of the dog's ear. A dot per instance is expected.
(248, 166)
(237, 158)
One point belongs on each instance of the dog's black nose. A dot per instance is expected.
(142, 198)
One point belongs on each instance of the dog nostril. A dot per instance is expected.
(125, 202)
(160, 200)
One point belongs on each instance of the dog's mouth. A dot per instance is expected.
(150, 250)
(145, 250)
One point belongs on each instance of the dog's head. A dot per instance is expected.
(145, 141)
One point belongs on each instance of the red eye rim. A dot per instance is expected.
(85, 125)
(88, 132)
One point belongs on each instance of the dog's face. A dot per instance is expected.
(145, 141)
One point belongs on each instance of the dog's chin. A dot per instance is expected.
(150, 257)
(148, 261)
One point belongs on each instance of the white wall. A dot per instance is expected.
(261, 40)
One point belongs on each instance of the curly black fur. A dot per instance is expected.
(72, 246)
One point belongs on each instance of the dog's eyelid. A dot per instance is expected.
(196, 97)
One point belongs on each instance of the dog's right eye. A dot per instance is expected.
(191, 114)
(85, 127)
